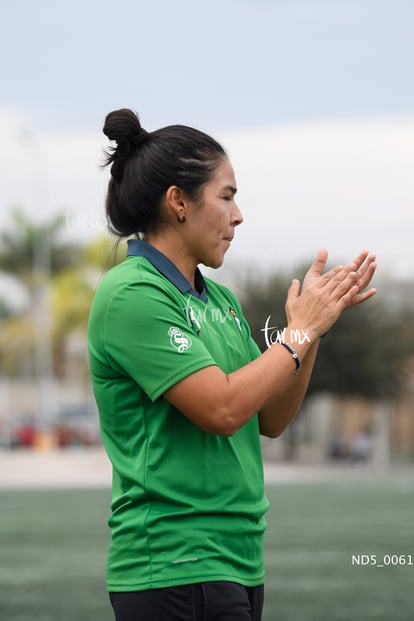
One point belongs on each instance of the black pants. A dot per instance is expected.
(205, 601)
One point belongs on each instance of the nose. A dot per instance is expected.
(236, 215)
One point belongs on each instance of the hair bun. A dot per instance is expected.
(124, 128)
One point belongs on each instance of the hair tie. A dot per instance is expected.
(125, 148)
(129, 144)
(138, 138)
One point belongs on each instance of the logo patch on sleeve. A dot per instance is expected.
(179, 340)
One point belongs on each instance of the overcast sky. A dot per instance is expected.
(313, 100)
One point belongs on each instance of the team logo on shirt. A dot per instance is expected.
(179, 340)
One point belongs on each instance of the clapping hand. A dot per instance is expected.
(363, 265)
(322, 297)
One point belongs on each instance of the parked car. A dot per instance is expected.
(23, 433)
(77, 425)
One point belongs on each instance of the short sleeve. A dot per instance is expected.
(146, 336)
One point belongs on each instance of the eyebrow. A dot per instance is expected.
(230, 188)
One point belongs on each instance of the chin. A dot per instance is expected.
(214, 263)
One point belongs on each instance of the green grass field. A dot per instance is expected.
(53, 550)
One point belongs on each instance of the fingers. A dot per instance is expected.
(340, 278)
(366, 272)
(364, 276)
(344, 287)
(345, 300)
(292, 295)
(322, 297)
(362, 297)
(294, 289)
(363, 266)
(319, 262)
(316, 269)
(359, 260)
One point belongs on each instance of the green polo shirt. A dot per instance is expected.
(187, 506)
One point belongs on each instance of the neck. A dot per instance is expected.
(174, 250)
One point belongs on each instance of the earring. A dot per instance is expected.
(181, 219)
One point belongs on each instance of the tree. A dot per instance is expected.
(364, 355)
(32, 254)
(72, 292)
(30, 251)
(60, 279)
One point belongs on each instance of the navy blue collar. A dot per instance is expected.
(140, 248)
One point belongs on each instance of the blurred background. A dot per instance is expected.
(314, 102)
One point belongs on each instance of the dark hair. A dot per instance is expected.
(144, 165)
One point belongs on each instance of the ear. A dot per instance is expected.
(176, 201)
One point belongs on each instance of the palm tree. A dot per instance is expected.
(60, 280)
(30, 251)
(32, 254)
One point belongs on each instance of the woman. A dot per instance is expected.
(183, 391)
